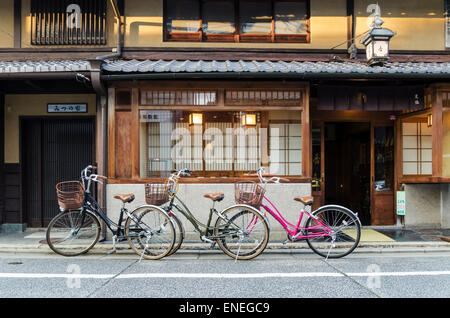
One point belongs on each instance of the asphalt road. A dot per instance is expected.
(212, 275)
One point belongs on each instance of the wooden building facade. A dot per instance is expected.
(223, 87)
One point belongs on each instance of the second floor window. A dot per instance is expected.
(68, 22)
(237, 20)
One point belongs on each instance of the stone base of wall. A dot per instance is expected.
(12, 227)
(192, 195)
(427, 205)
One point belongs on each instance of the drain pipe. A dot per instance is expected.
(118, 50)
(102, 101)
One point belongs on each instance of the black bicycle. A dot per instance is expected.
(76, 229)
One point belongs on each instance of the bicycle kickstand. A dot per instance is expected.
(331, 246)
(113, 250)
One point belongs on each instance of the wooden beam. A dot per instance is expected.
(436, 130)
(135, 167)
(111, 134)
(306, 136)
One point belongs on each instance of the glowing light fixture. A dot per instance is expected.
(248, 119)
(195, 119)
(429, 120)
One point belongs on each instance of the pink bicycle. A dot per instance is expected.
(331, 231)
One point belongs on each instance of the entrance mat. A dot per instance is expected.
(369, 235)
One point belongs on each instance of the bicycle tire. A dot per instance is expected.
(179, 233)
(65, 220)
(139, 231)
(345, 242)
(242, 216)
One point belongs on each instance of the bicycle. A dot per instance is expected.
(331, 231)
(76, 229)
(240, 230)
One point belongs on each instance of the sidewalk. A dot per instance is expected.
(373, 240)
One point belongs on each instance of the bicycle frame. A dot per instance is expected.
(190, 217)
(206, 233)
(297, 230)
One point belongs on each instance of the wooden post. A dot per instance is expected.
(135, 168)
(306, 135)
(111, 134)
(436, 130)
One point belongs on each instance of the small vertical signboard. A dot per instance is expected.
(401, 203)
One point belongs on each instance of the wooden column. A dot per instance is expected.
(436, 130)
(111, 134)
(306, 135)
(101, 141)
(2, 156)
(135, 168)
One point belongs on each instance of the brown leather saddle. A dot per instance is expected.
(305, 200)
(125, 198)
(215, 196)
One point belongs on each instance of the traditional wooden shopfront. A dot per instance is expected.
(360, 141)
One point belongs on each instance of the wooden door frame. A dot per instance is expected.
(374, 124)
(374, 118)
(92, 118)
(319, 194)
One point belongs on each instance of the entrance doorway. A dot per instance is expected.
(52, 150)
(353, 166)
(347, 167)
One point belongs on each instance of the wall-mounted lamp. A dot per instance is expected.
(248, 119)
(195, 119)
(429, 120)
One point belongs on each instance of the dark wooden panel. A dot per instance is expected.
(381, 98)
(11, 193)
(52, 150)
(383, 202)
(123, 144)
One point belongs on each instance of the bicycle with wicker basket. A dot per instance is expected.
(239, 230)
(76, 229)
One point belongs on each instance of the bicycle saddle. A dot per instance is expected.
(125, 197)
(305, 200)
(214, 196)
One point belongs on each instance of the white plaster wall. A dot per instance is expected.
(423, 205)
(192, 195)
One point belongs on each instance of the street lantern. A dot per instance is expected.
(377, 42)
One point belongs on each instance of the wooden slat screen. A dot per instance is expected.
(178, 97)
(252, 97)
(55, 22)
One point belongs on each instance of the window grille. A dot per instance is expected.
(68, 22)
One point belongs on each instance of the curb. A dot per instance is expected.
(274, 248)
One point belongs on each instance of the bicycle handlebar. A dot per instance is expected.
(260, 172)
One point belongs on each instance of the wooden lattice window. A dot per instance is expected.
(178, 97)
(446, 99)
(68, 22)
(417, 148)
(247, 97)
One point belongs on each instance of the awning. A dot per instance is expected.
(121, 69)
(44, 66)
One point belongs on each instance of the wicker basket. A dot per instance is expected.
(155, 194)
(70, 194)
(249, 193)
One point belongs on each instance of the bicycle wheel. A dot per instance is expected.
(243, 234)
(179, 232)
(73, 232)
(150, 232)
(344, 236)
